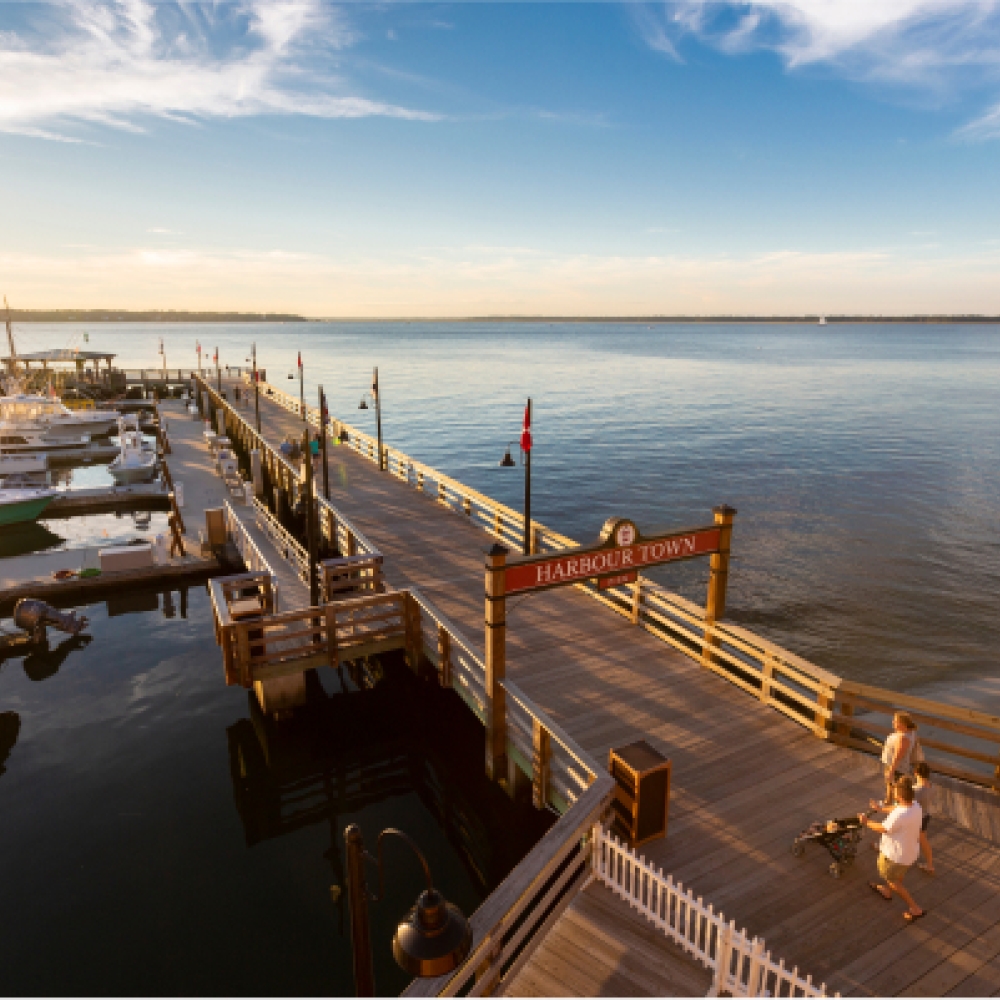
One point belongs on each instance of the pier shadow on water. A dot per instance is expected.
(160, 836)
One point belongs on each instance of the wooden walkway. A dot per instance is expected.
(745, 779)
(600, 947)
(191, 464)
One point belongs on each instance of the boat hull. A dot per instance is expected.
(22, 511)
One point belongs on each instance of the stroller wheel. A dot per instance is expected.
(835, 870)
(798, 849)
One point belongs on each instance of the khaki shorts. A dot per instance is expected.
(890, 870)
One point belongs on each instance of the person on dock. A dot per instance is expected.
(922, 795)
(900, 752)
(900, 846)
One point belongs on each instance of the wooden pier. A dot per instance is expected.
(762, 743)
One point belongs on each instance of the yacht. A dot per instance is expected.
(59, 424)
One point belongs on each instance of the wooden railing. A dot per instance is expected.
(224, 591)
(290, 642)
(253, 558)
(741, 966)
(285, 544)
(340, 532)
(350, 576)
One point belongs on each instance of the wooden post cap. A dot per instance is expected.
(724, 511)
(496, 551)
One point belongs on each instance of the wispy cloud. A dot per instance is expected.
(937, 46)
(119, 62)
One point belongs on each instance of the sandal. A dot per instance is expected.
(926, 869)
(910, 917)
(875, 887)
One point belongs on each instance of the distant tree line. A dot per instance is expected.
(146, 316)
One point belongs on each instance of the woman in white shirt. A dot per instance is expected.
(900, 847)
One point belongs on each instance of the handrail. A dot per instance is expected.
(248, 549)
(741, 965)
(288, 548)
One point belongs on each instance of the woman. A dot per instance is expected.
(900, 752)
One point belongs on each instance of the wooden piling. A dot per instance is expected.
(496, 668)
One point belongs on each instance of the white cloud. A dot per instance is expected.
(120, 61)
(938, 46)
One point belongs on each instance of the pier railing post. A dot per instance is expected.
(496, 665)
(715, 606)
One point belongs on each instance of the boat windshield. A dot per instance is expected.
(30, 408)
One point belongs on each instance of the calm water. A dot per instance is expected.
(864, 460)
(157, 836)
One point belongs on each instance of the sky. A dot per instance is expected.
(444, 160)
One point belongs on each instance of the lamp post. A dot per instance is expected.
(218, 371)
(377, 400)
(324, 417)
(507, 463)
(431, 940)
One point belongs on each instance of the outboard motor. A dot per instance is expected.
(33, 616)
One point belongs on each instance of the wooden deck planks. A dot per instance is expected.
(601, 947)
(745, 778)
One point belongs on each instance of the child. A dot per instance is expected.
(922, 795)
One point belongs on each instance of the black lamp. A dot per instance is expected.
(362, 405)
(433, 939)
(507, 462)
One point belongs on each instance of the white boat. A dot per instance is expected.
(136, 461)
(27, 462)
(59, 424)
(822, 321)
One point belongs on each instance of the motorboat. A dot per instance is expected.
(20, 506)
(136, 461)
(58, 425)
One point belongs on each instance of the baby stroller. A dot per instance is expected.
(839, 836)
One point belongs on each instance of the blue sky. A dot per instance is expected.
(407, 159)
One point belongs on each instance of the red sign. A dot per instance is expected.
(631, 553)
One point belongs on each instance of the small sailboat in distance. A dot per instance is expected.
(822, 321)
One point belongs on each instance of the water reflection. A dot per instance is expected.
(231, 826)
(10, 727)
(43, 661)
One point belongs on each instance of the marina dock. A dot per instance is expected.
(761, 743)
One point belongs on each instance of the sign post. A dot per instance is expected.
(614, 561)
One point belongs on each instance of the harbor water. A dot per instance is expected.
(864, 459)
(159, 836)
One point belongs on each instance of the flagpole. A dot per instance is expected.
(527, 482)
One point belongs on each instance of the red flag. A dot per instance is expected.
(526, 430)
(300, 359)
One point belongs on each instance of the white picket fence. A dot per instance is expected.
(741, 966)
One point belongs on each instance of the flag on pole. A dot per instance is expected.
(526, 430)
(300, 359)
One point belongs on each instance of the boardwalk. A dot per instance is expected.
(745, 779)
(192, 465)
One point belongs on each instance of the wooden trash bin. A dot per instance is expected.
(642, 792)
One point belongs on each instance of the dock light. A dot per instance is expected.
(377, 400)
(507, 462)
(362, 405)
(434, 937)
